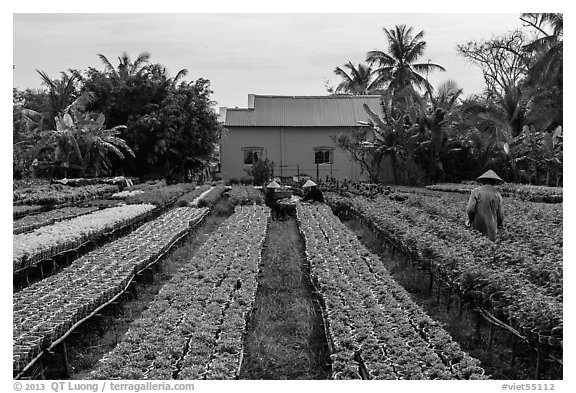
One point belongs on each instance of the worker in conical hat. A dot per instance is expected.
(485, 209)
(313, 193)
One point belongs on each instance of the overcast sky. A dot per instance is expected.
(285, 54)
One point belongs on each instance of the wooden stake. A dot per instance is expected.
(478, 331)
(134, 290)
(42, 375)
(513, 360)
(538, 362)
(65, 359)
(490, 338)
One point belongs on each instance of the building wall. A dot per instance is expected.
(291, 147)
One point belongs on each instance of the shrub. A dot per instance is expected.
(247, 180)
(261, 172)
(212, 197)
(245, 195)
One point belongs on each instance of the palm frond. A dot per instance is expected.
(107, 65)
(415, 52)
(427, 67)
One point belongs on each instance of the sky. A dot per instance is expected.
(242, 53)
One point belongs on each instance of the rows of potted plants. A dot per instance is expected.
(126, 193)
(160, 196)
(531, 238)
(213, 196)
(29, 223)
(523, 191)
(501, 278)
(191, 198)
(79, 182)
(19, 211)
(245, 195)
(55, 194)
(195, 327)
(376, 330)
(46, 310)
(48, 241)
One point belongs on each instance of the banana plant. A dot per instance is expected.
(62, 140)
(98, 143)
(534, 151)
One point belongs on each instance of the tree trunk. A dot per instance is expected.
(394, 168)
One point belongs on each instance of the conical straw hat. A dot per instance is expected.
(490, 174)
(309, 183)
(273, 184)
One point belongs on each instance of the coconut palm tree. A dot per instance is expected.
(126, 68)
(159, 72)
(399, 66)
(360, 81)
(61, 93)
(548, 47)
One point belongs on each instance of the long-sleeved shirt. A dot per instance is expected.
(314, 194)
(485, 210)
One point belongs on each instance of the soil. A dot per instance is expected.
(285, 338)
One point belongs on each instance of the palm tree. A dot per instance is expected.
(548, 47)
(360, 81)
(399, 66)
(545, 71)
(159, 72)
(61, 93)
(126, 68)
(435, 114)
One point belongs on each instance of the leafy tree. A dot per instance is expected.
(399, 66)
(180, 135)
(170, 124)
(359, 81)
(261, 172)
(502, 60)
(361, 150)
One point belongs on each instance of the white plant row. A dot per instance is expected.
(50, 240)
(126, 194)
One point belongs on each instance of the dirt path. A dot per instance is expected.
(285, 336)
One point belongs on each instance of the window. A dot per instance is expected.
(252, 155)
(323, 155)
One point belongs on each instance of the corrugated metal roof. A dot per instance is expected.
(303, 111)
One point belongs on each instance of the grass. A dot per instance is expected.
(285, 337)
